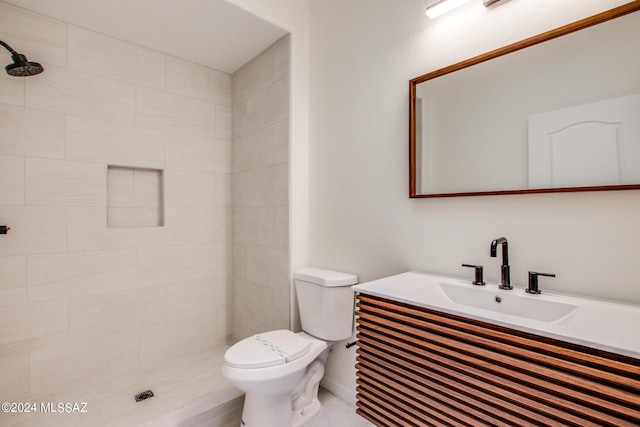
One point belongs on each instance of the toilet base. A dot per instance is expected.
(295, 409)
(302, 417)
(266, 411)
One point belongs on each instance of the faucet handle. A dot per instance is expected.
(533, 281)
(477, 276)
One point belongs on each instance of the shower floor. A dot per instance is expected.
(189, 391)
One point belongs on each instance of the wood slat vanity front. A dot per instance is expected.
(421, 367)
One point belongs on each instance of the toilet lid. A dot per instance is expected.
(267, 349)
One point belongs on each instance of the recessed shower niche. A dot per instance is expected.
(134, 197)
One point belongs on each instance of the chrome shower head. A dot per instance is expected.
(21, 67)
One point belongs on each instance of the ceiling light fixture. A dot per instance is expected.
(443, 6)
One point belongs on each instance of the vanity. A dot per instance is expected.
(553, 113)
(438, 350)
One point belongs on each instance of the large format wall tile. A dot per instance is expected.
(281, 63)
(266, 68)
(185, 189)
(170, 340)
(197, 225)
(13, 296)
(81, 94)
(253, 150)
(197, 81)
(280, 141)
(13, 280)
(25, 322)
(257, 298)
(119, 311)
(198, 300)
(108, 57)
(268, 106)
(41, 39)
(253, 225)
(281, 302)
(88, 284)
(70, 274)
(34, 229)
(114, 143)
(66, 183)
(197, 153)
(263, 147)
(87, 230)
(11, 180)
(134, 217)
(260, 193)
(13, 272)
(267, 265)
(239, 123)
(281, 227)
(223, 189)
(224, 125)
(253, 76)
(165, 265)
(50, 268)
(35, 133)
(161, 110)
(11, 90)
(80, 363)
(14, 371)
(268, 186)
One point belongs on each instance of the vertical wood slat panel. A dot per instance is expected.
(457, 371)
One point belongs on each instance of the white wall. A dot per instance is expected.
(363, 53)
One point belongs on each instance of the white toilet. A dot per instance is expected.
(280, 371)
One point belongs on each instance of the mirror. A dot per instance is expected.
(556, 112)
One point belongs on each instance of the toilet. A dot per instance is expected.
(280, 371)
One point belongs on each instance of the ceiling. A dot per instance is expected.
(209, 32)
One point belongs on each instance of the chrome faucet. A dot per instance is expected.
(505, 277)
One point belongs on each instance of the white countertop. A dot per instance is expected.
(591, 322)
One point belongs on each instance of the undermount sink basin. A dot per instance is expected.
(581, 320)
(534, 308)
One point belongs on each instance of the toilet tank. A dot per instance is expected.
(325, 300)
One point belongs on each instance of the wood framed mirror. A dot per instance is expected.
(557, 112)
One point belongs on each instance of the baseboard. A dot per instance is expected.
(344, 393)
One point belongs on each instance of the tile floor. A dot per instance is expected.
(336, 412)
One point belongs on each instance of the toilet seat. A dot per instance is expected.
(267, 349)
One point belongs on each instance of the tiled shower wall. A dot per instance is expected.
(82, 302)
(261, 192)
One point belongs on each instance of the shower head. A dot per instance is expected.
(21, 67)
